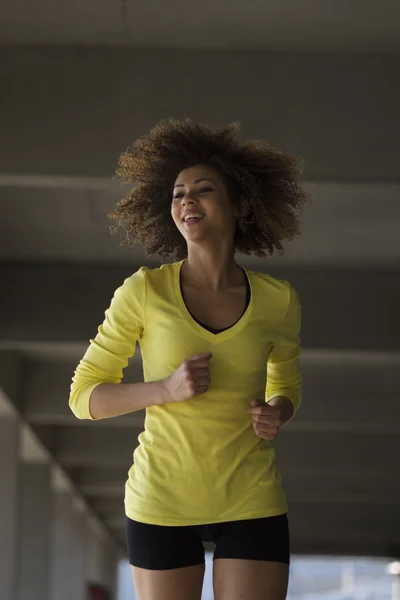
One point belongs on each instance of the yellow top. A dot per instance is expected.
(198, 461)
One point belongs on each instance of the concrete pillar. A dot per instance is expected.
(50, 548)
(34, 532)
(67, 579)
(101, 558)
(110, 569)
(9, 435)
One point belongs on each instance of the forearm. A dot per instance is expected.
(285, 406)
(113, 400)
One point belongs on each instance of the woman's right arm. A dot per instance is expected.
(110, 400)
(191, 378)
(94, 390)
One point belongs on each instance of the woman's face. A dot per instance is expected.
(201, 208)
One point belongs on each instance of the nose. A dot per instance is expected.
(187, 199)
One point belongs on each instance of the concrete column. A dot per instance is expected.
(34, 532)
(67, 579)
(9, 435)
(101, 557)
(110, 568)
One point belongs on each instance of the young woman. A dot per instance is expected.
(220, 349)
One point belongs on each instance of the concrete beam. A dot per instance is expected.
(46, 393)
(319, 27)
(357, 522)
(99, 483)
(341, 391)
(345, 503)
(300, 483)
(339, 111)
(350, 309)
(9, 502)
(108, 507)
(83, 227)
(91, 446)
(10, 375)
(331, 450)
(68, 545)
(34, 536)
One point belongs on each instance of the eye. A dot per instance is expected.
(178, 195)
(205, 190)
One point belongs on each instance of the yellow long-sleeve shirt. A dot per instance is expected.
(198, 461)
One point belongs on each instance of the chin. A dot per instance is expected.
(194, 234)
(195, 237)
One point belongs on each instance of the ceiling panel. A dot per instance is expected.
(289, 24)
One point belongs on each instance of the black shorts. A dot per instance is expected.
(158, 547)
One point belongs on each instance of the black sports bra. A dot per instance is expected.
(216, 331)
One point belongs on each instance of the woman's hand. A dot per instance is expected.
(267, 420)
(190, 379)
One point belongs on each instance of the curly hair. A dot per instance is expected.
(262, 181)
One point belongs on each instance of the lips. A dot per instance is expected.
(192, 217)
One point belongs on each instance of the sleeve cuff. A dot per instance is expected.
(80, 401)
(291, 395)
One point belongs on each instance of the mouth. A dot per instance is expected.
(192, 218)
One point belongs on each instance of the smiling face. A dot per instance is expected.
(201, 208)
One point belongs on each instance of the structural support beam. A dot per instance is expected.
(67, 304)
(46, 392)
(340, 390)
(10, 377)
(299, 482)
(100, 559)
(90, 446)
(354, 135)
(68, 549)
(35, 522)
(9, 442)
(102, 483)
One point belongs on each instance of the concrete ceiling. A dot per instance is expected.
(285, 25)
(65, 115)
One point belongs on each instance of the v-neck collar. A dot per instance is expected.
(208, 335)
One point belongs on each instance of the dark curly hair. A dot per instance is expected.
(262, 181)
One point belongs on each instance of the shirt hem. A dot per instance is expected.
(135, 515)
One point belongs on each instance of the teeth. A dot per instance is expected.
(193, 216)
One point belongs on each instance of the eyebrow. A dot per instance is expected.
(197, 181)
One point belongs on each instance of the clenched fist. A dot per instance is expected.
(190, 379)
(267, 419)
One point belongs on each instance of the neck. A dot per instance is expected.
(214, 268)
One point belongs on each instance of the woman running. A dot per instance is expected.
(220, 350)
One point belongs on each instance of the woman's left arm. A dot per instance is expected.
(283, 389)
(284, 406)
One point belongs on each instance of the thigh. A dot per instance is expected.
(266, 539)
(167, 562)
(185, 583)
(251, 560)
(241, 579)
